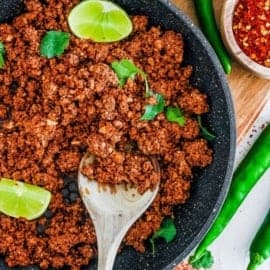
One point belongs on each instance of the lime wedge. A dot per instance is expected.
(100, 21)
(18, 199)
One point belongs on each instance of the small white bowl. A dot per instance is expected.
(231, 44)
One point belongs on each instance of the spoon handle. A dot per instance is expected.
(110, 231)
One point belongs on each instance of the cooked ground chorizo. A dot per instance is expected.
(197, 153)
(52, 111)
(193, 101)
(123, 168)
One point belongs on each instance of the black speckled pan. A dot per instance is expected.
(210, 185)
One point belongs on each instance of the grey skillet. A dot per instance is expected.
(210, 185)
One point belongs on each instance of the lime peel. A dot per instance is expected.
(100, 21)
(22, 200)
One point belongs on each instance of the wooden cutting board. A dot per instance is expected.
(249, 92)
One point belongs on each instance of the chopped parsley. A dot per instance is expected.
(167, 231)
(151, 111)
(175, 114)
(125, 69)
(54, 43)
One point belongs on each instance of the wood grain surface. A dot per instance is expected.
(249, 92)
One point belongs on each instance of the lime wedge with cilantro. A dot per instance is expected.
(21, 200)
(100, 21)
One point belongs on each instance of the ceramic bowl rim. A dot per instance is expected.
(232, 45)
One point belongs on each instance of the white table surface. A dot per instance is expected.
(230, 250)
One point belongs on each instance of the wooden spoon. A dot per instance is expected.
(112, 213)
(231, 44)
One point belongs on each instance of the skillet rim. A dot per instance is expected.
(232, 124)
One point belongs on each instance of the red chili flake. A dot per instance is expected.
(251, 27)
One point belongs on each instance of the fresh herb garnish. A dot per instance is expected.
(125, 69)
(167, 231)
(2, 55)
(175, 114)
(151, 111)
(204, 132)
(206, 261)
(54, 43)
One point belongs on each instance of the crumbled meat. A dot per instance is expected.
(52, 111)
(191, 129)
(175, 189)
(152, 140)
(99, 146)
(183, 266)
(197, 153)
(3, 112)
(193, 101)
(126, 168)
(68, 161)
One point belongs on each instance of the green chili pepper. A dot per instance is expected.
(205, 14)
(260, 246)
(256, 162)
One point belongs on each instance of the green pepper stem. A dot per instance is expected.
(252, 266)
(205, 260)
(196, 257)
(255, 260)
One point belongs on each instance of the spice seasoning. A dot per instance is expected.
(251, 27)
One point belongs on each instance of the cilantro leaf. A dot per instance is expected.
(175, 114)
(151, 111)
(167, 231)
(54, 43)
(2, 55)
(205, 261)
(205, 133)
(125, 69)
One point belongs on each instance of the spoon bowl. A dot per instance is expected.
(113, 211)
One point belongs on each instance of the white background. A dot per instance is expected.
(230, 250)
